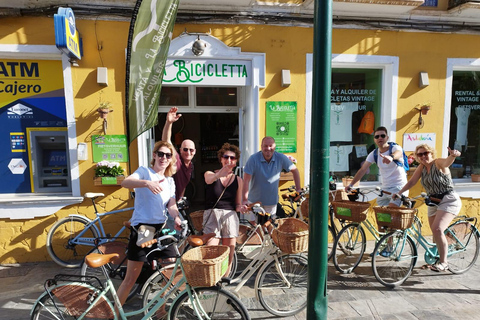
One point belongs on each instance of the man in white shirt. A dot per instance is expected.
(393, 176)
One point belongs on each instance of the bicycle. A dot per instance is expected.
(351, 242)
(395, 254)
(293, 200)
(77, 297)
(71, 238)
(281, 278)
(117, 269)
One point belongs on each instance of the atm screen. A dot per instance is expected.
(54, 158)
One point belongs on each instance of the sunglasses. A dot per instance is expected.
(187, 149)
(229, 157)
(421, 154)
(161, 154)
(380, 136)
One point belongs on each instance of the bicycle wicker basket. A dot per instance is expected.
(337, 195)
(205, 266)
(351, 210)
(291, 235)
(304, 208)
(197, 219)
(394, 217)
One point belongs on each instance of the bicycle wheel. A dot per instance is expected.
(116, 271)
(71, 301)
(349, 247)
(215, 301)
(59, 241)
(154, 285)
(463, 246)
(331, 241)
(394, 257)
(282, 287)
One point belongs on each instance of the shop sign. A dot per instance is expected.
(67, 38)
(208, 72)
(412, 140)
(281, 118)
(17, 166)
(110, 147)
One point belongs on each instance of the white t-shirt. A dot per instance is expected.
(339, 158)
(341, 121)
(462, 127)
(149, 207)
(391, 175)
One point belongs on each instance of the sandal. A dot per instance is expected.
(439, 267)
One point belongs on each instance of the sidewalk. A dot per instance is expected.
(425, 295)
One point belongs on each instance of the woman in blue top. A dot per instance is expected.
(437, 181)
(154, 195)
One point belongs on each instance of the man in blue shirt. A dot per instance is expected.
(262, 175)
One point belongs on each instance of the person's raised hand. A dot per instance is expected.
(454, 153)
(172, 115)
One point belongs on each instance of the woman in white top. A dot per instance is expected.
(154, 194)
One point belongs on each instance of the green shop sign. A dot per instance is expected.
(208, 72)
(281, 124)
(110, 147)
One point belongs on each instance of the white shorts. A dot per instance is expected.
(450, 203)
(224, 223)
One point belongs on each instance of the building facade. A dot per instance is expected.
(254, 78)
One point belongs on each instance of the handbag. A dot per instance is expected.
(144, 234)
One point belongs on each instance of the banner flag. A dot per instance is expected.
(148, 42)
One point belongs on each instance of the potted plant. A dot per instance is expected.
(476, 174)
(347, 180)
(108, 173)
(104, 109)
(424, 107)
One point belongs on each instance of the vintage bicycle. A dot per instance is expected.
(80, 297)
(70, 239)
(396, 254)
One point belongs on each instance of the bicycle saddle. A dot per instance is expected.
(95, 260)
(197, 241)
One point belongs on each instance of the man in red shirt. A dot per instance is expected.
(184, 156)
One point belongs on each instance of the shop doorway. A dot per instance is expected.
(209, 131)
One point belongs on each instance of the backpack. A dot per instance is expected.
(390, 146)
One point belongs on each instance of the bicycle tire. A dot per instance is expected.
(70, 307)
(349, 248)
(462, 253)
(215, 301)
(60, 249)
(282, 299)
(331, 242)
(150, 289)
(116, 272)
(394, 257)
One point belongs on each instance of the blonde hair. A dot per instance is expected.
(426, 147)
(172, 167)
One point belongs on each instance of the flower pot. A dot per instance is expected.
(108, 181)
(424, 109)
(103, 112)
(475, 177)
(347, 181)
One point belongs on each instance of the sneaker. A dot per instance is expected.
(386, 252)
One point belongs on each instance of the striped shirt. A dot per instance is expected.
(435, 181)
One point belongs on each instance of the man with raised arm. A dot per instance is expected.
(184, 156)
(261, 176)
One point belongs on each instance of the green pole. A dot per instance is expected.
(319, 162)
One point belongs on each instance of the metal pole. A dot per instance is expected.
(320, 154)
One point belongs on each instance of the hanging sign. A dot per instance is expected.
(67, 38)
(110, 147)
(281, 118)
(411, 140)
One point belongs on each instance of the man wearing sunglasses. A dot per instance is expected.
(393, 176)
(184, 156)
(262, 175)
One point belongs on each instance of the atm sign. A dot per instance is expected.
(67, 37)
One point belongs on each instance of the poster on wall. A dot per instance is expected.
(281, 124)
(411, 140)
(110, 148)
(31, 100)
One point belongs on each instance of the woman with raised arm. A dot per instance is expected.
(437, 181)
(223, 200)
(154, 195)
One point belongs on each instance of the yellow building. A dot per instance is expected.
(387, 59)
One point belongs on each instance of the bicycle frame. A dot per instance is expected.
(80, 240)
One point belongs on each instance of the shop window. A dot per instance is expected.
(464, 119)
(174, 96)
(355, 96)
